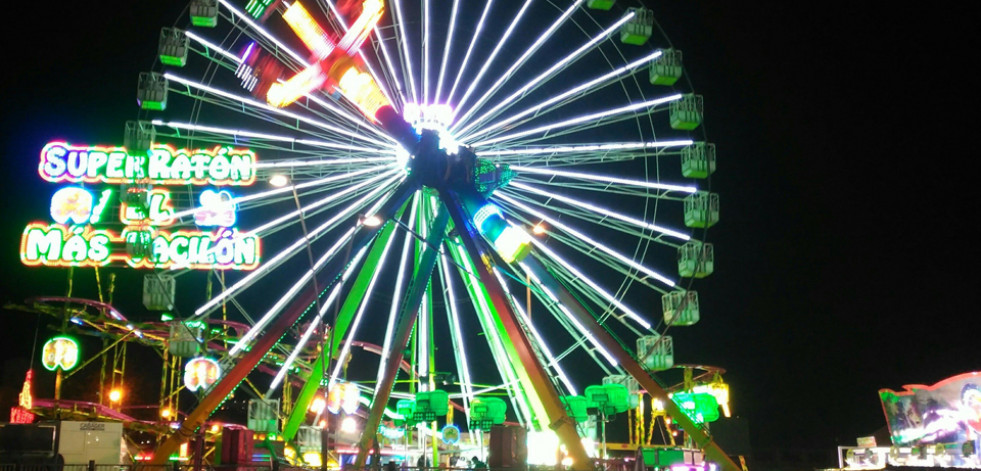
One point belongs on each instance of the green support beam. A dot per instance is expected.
(702, 440)
(407, 316)
(343, 321)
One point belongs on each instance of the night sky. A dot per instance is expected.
(845, 258)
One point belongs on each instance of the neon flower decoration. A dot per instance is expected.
(59, 352)
(344, 396)
(163, 165)
(72, 204)
(217, 209)
(201, 373)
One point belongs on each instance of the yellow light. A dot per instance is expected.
(318, 404)
(305, 81)
(371, 221)
(115, 395)
(361, 89)
(215, 428)
(307, 29)
(279, 180)
(312, 458)
(348, 425)
(538, 229)
(567, 461)
(165, 412)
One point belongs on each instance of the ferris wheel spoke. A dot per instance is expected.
(544, 352)
(391, 75)
(605, 181)
(584, 205)
(587, 245)
(487, 62)
(456, 335)
(315, 322)
(579, 333)
(555, 102)
(577, 154)
(294, 248)
(268, 110)
(542, 78)
(287, 144)
(576, 274)
(399, 286)
(483, 306)
(437, 97)
(402, 40)
(466, 57)
(600, 222)
(580, 123)
(363, 301)
(520, 61)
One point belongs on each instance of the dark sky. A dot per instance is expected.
(846, 135)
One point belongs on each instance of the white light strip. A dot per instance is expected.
(400, 19)
(238, 133)
(273, 109)
(521, 60)
(302, 342)
(425, 51)
(446, 51)
(288, 296)
(273, 262)
(461, 350)
(568, 315)
(493, 337)
(466, 57)
(357, 120)
(394, 310)
(603, 211)
(582, 119)
(585, 148)
(544, 75)
(288, 189)
(556, 98)
(534, 332)
(353, 328)
(603, 178)
(210, 45)
(489, 60)
(321, 202)
(589, 241)
(592, 284)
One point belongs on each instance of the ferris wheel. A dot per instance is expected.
(509, 198)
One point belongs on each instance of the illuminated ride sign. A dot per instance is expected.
(152, 233)
(162, 165)
(946, 412)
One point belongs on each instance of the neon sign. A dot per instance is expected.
(163, 165)
(59, 246)
(77, 238)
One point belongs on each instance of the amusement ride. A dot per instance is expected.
(397, 228)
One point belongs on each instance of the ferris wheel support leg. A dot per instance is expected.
(702, 440)
(558, 418)
(220, 390)
(340, 326)
(407, 316)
